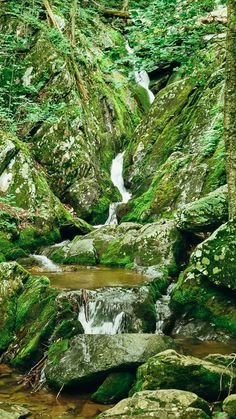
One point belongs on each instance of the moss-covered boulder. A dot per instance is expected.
(160, 404)
(196, 298)
(175, 156)
(229, 406)
(158, 244)
(214, 258)
(203, 290)
(115, 388)
(86, 360)
(31, 314)
(12, 279)
(205, 214)
(153, 249)
(169, 370)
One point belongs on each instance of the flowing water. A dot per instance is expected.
(46, 264)
(44, 403)
(142, 78)
(113, 310)
(118, 181)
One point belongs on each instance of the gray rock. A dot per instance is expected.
(87, 359)
(161, 404)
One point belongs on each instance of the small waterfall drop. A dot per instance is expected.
(163, 310)
(94, 326)
(118, 181)
(141, 77)
(46, 263)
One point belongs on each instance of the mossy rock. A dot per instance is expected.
(115, 387)
(169, 369)
(12, 279)
(214, 258)
(229, 406)
(160, 404)
(205, 214)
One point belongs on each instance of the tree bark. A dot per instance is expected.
(230, 107)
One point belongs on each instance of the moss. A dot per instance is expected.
(115, 387)
(68, 328)
(32, 238)
(195, 297)
(57, 349)
(116, 255)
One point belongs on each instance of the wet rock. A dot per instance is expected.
(86, 360)
(229, 406)
(115, 388)
(13, 411)
(171, 370)
(187, 327)
(160, 404)
(205, 214)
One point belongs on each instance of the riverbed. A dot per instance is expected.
(46, 404)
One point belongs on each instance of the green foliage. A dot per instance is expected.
(165, 32)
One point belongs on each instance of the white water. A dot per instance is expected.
(118, 181)
(142, 78)
(110, 326)
(46, 263)
(163, 310)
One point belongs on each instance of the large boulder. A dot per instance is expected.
(170, 369)
(215, 258)
(158, 245)
(12, 279)
(202, 290)
(205, 214)
(31, 313)
(160, 404)
(152, 249)
(175, 156)
(86, 360)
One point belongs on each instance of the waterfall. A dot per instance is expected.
(111, 325)
(118, 181)
(112, 310)
(163, 310)
(141, 77)
(46, 263)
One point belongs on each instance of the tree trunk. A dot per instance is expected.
(230, 107)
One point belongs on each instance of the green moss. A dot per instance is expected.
(115, 387)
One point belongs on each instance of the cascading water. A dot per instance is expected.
(93, 325)
(118, 181)
(163, 310)
(141, 77)
(46, 263)
(112, 310)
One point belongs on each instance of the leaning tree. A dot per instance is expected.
(230, 107)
